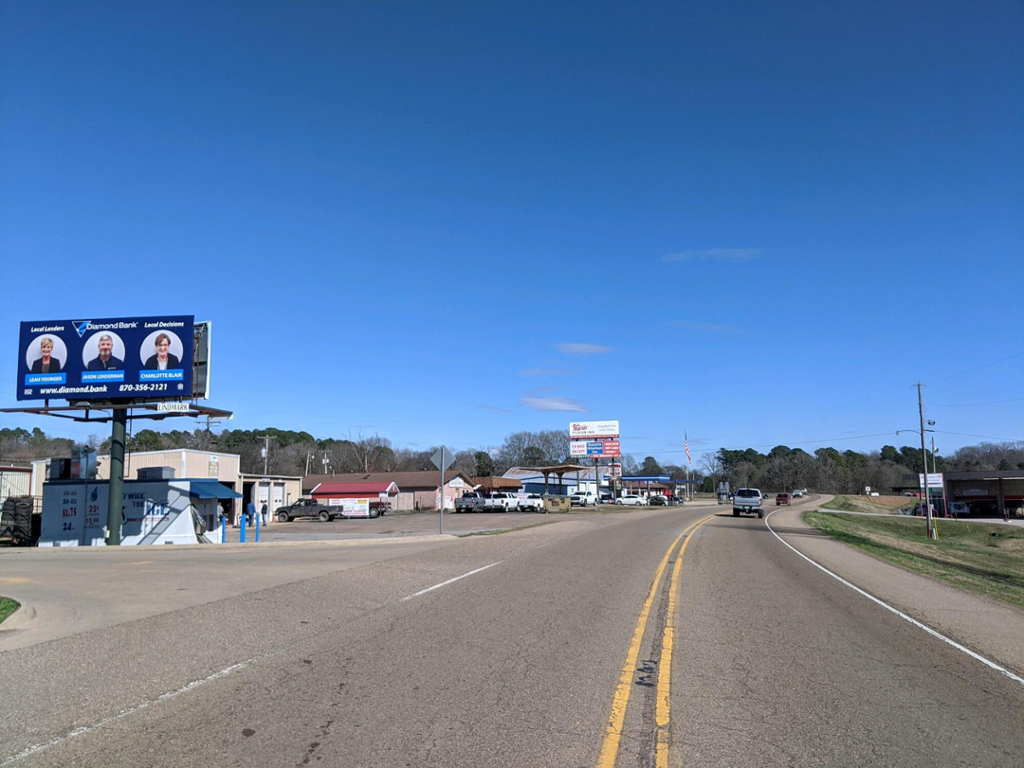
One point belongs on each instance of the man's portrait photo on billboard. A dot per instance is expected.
(46, 354)
(161, 351)
(103, 351)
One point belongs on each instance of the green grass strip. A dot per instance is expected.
(7, 607)
(986, 558)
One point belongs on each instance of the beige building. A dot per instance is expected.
(15, 481)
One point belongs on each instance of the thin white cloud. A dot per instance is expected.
(545, 372)
(553, 404)
(716, 254)
(573, 348)
(693, 325)
(494, 409)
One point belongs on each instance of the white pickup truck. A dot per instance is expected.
(584, 499)
(748, 500)
(501, 501)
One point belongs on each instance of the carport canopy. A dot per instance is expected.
(558, 470)
(211, 489)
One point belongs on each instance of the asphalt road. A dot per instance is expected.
(744, 655)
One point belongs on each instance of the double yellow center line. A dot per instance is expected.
(613, 731)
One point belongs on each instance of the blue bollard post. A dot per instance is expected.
(241, 534)
(223, 528)
(257, 516)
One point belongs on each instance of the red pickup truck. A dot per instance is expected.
(782, 498)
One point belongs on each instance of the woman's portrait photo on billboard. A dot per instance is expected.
(162, 351)
(103, 351)
(46, 354)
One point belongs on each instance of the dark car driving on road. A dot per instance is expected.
(782, 498)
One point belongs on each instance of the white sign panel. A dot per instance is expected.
(173, 407)
(934, 480)
(581, 430)
(578, 448)
(75, 514)
(352, 507)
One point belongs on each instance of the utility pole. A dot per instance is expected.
(924, 459)
(266, 454)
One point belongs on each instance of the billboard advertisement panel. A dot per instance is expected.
(134, 357)
(594, 448)
(589, 430)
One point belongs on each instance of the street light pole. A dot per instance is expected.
(924, 459)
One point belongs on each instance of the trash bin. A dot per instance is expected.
(557, 504)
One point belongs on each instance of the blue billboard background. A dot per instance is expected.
(133, 357)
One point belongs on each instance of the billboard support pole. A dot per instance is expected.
(115, 500)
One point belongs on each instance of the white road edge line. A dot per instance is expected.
(125, 712)
(446, 583)
(915, 622)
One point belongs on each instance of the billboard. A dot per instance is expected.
(589, 430)
(135, 357)
(596, 448)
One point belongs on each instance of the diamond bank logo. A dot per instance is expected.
(81, 326)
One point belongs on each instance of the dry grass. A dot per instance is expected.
(893, 502)
(868, 504)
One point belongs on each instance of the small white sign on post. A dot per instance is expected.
(934, 480)
(173, 407)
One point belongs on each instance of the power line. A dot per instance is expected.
(979, 368)
(983, 437)
(773, 445)
(971, 405)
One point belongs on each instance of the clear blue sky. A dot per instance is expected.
(763, 221)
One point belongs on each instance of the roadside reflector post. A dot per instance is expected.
(223, 529)
(257, 516)
(241, 533)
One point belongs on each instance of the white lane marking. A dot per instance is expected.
(445, 583)
(125, 712)
(915, 622)
(82, 730)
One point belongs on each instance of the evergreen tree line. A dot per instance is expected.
(292, 453)
(830, 471)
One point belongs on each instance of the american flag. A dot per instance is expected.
(686, 442)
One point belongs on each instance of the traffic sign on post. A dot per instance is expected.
(442, 459)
